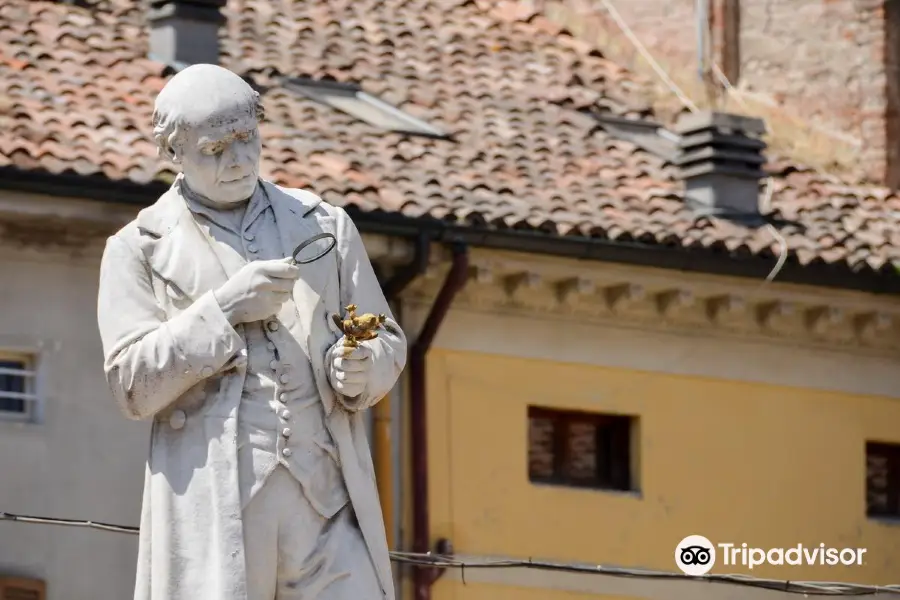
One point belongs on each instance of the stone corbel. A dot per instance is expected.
(727, 308)
(776, 316)
(824, 319)
(434, 272)
(571, 291)
(520, 284)
(482, 275)
(625, 297)
(674, 302)
(871, 326)
(386, 250)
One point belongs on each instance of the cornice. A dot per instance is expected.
(547, 287)
(657, 299)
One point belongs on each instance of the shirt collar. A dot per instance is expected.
(256, 205)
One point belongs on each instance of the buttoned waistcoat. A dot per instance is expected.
(169, 350)
(280, 419)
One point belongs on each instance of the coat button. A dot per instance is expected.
(177, 419)
(287, 452)
(285, 414)
(206, 371)
(273, 364)
(249, 237)
(284, 378)
(286, 432)
(272, 325)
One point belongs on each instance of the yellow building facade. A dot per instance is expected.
(747, 407)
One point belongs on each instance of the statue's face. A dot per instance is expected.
(220, 157)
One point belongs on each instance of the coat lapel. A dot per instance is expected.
(176, 249)
(297, 221)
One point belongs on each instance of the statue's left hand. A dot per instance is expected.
(348, 370)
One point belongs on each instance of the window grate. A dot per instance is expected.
(17, 388)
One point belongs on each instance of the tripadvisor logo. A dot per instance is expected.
(696, 555)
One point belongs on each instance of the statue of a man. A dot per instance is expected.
(260, 482)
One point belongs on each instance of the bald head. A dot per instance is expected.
(206, 119)
(200, 95)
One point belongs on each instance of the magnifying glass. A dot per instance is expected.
(313, 249)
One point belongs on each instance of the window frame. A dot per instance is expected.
(891, 450)
(615, 476)
(31, 396)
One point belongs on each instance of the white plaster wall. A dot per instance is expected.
(85, 460)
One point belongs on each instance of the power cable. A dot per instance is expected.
(418, 559)
(690, 105)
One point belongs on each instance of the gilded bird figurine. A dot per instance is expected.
(358, 328)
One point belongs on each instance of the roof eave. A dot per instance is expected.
(696, 260)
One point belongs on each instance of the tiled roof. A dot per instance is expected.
(76, 94)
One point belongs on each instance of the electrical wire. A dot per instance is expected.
(766, 204)
(629, 33)
(5, 516)
(689, 104)
(418, 559)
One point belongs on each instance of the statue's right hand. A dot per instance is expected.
(258, 290)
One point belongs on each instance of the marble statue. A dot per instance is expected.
(259, 483)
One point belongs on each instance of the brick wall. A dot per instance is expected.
(821, 61)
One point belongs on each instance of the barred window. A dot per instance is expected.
(882, 480)
(580, 449)
(17, 387)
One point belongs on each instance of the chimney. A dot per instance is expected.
(721, 163)
(185, 32)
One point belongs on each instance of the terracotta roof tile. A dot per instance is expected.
(76, 94)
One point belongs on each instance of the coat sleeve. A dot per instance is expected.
(360, 286)
(150, 361)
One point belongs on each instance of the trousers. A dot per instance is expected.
(293, 553)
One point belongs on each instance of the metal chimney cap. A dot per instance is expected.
(721, 163)
(693, 122)
(189, 10)
(185, 32)
(217, 4)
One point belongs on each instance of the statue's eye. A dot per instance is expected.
(213, 149)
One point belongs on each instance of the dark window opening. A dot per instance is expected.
(580, 449)
(16, 395)
(882, 480)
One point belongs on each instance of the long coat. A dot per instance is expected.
(171, 356)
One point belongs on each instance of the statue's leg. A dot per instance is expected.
(346, 542)
(324, 559)
(260, 520)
